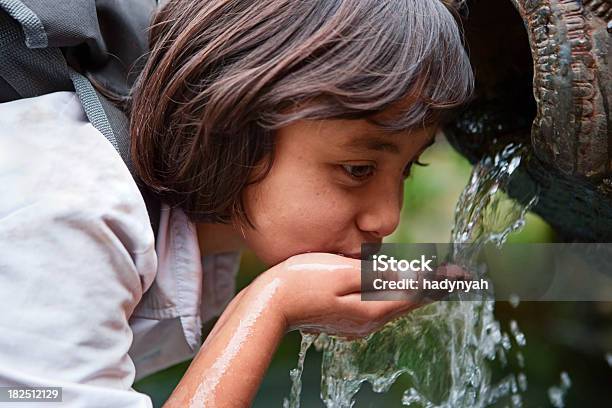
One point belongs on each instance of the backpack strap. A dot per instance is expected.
(31, 68)
(111, 122)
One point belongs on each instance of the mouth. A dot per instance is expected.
(354, 255)
(370, 248)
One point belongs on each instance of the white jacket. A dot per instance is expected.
(88, 300)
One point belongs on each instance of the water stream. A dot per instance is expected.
(446, 348)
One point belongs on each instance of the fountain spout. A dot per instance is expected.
(544, 79)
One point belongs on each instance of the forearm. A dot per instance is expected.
(230, 365)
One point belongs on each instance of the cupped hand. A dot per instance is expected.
(321, 292)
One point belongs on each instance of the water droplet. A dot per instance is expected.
(506, 341)
(514, 300)
(522, 380)
(519, 337)
(517, 401)
(565, 380)
(520, 359)
(556, 394)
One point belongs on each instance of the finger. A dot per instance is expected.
(343, 273)
(349, 280)
(375, 310)
(452, 271)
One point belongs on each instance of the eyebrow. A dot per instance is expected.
(380, 144)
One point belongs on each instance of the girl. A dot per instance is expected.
(283, 126)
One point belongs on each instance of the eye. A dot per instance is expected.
(359, 172)
(409, 167)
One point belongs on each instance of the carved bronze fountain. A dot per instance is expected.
(544, 79)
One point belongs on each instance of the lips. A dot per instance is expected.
(373, 247)
(355, 256)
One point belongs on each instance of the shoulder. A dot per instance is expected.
(52, 157)
(77, 251)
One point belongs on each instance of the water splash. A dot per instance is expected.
(296, 373)
(444, 348)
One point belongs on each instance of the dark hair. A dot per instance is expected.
(223, 75)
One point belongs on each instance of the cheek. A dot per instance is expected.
(293, 218)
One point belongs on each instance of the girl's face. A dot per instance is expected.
(333, 185)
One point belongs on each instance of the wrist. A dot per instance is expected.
(266, 295)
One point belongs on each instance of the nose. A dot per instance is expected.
(380, 214)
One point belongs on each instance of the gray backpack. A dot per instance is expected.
(49, 46)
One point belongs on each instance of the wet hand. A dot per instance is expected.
(321, 292)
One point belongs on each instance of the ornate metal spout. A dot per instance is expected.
(544, 79)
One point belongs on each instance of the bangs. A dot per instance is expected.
(364, 58)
